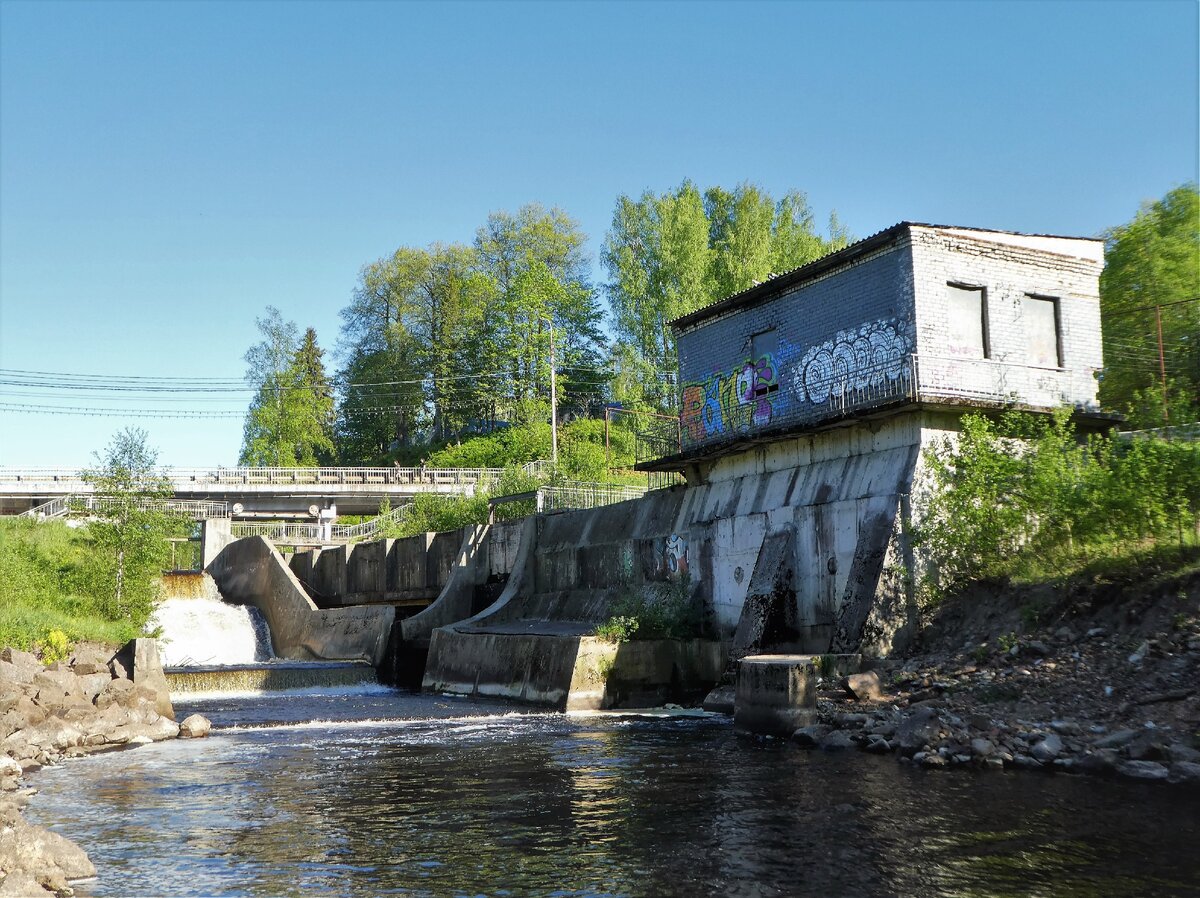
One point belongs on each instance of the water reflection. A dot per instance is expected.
(442, 797)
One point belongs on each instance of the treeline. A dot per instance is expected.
(443, 342)
(450, 340)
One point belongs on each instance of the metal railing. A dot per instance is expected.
(831, 386)
(55, 508)
(577, 494)
(192, 478)
(296, 533)
(1188, 433)
(196, 509)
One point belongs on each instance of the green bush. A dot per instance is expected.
(1025, 497)
(657, 611)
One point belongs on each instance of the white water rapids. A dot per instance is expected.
(199, 629)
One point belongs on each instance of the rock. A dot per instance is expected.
(863, 687)
(197, 726)
(9, 767)
(140, 657)
(933, 760)
(838, 740)
(1047, 749)
(982, 748)
(93, 684)
(21, 884)
(1097, 633)
(917, 731)
(1143, 770)
(1140, 653)
(851, 721)
(1177, 751)
(117, 692)
(1036, 647)
(18, 658)
(1146, 747)
(720, 700)
(808, 737)
(1065, 634)
(34, 849)
(1119, 739)
(1098, 763)
(877, 745)
(90, 658)
(1184, 772)
(1066, 727)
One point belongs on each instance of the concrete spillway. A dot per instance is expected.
(271, 676)
(210, 645)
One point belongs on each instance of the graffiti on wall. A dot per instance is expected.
(784, 386)
(857, 359)
(731, 402)
(675, 556)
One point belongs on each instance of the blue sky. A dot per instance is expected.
(169, 169)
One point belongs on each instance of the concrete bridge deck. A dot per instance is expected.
(265, 492)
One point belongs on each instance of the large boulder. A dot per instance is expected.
(195, 726)
(139, 657)
(918, 730)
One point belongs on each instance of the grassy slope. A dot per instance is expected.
(48, 582)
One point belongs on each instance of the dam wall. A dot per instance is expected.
(798, 546)
(410, 570)
(250, 571)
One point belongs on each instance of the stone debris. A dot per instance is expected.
(1119, 699)
(68, 709)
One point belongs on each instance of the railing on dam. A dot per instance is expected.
(28, 480)
(303, 534)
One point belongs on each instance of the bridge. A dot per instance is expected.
(262, 493)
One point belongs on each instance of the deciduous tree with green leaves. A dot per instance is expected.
(132, 522)
(290, 421)
(1152, 271)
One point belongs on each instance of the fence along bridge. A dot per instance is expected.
(265, 493)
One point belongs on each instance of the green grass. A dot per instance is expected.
(51, 579)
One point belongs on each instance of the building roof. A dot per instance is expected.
(1079, 247)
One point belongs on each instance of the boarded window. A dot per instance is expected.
(1041, 331)
(766, 343)
(968, 333)
(760, 374)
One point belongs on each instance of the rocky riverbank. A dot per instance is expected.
(1096, 678)
(94, 701)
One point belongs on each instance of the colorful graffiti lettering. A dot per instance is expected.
(732, 402)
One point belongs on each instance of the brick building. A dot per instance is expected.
(916, 315)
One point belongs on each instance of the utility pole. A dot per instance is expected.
(553, 401)
(1162, 366)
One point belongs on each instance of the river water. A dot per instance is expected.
(391, 793)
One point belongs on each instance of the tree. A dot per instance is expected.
(1152, 271)
(290, 420)
(133, 522)
(671, 254)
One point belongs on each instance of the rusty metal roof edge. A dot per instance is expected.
(839, 257)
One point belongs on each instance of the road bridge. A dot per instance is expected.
(264, 493)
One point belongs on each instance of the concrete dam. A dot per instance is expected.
(797, 547)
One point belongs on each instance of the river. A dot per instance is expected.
(392, 793)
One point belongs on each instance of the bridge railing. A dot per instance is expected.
(196, 509)
(185, 479)
(306, 533)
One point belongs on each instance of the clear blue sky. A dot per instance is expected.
(169, 169)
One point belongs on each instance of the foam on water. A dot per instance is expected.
(200, 629)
